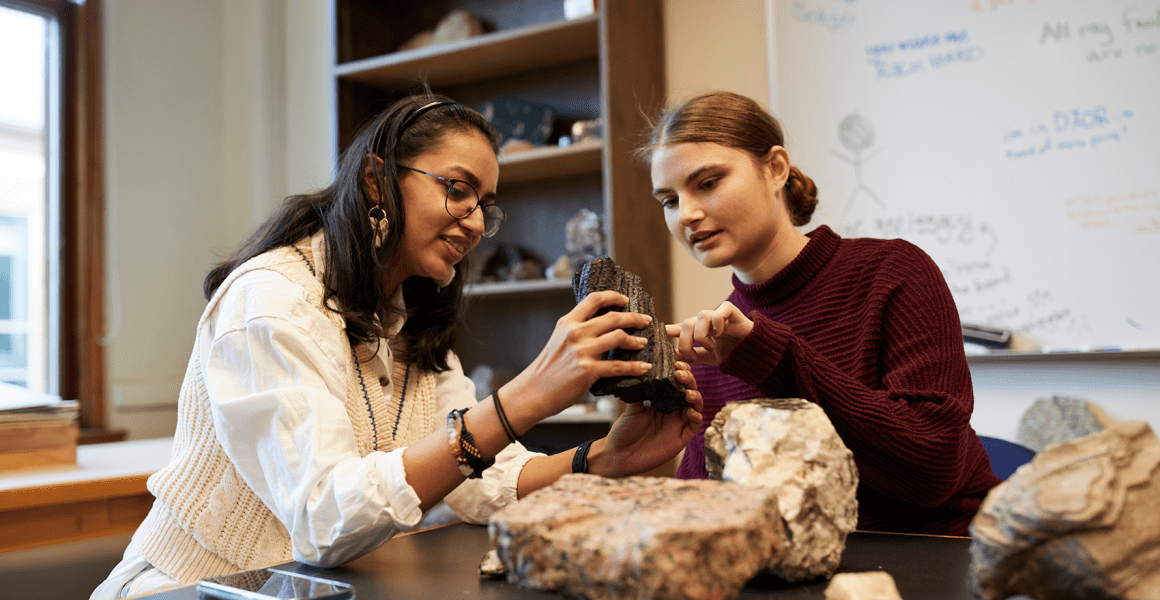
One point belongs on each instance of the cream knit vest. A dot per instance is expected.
(205, 519)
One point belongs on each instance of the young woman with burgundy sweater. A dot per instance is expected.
(865, 328)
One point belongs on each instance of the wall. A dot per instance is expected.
(215, 111)
(726, 45)
(711, 45)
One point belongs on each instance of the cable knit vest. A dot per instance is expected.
(205, 519)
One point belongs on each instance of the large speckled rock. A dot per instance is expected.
(641, 537)
(790, 446)
(659, 387)
(1080, 521)
(1058, 419)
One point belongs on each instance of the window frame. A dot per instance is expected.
(82, 210)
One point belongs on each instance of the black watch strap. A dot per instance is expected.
(580, 459)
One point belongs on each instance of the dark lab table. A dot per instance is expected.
(444, 563)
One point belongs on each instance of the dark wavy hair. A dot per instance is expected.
(355, 270)
(734, 121)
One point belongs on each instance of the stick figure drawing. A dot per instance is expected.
(857, 135)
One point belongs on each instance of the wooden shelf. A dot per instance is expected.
(550, 161)
(488, 56)
(518, 287)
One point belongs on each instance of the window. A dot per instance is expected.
(28, 100)
(51, 211)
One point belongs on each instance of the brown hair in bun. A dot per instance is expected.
(734, 121)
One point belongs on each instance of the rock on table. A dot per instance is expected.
(790, 446)
(641, 537)
(1080, 521)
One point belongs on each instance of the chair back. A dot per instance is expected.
(1006, 456)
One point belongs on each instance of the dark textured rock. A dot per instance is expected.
(659, 387)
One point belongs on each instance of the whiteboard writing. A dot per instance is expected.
(1087, 128)
(1017, 142)
(922, 54)
(1134, 213)
(1123, 36)
(942, 229)
(817, 13)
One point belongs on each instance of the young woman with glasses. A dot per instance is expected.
(324, 410)
(865, 328)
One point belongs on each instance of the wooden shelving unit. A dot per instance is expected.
(608, 65)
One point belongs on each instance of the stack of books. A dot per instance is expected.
(36, 430)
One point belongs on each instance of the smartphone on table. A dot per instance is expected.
(273, 584)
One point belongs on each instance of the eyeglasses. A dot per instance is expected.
(462, 200)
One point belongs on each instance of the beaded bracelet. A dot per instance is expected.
(467, 456)
(453, 441)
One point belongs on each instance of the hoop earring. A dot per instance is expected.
(379, 224)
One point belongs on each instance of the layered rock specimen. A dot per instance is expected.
(641, 537)
(790, 446)
(870, 585)
(1059, 419)
(659, 387)
(1080, 521)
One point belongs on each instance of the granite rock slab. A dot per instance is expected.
(640, 538)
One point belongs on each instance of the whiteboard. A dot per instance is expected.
(1015, 141)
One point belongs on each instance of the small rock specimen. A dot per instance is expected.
(455, 25)
(591, 537)
(561, 269)
(1080, 521)
(870, 585)
(584, 238)
(491, 567)
(503, 262)
(790, 446)
(659, 386)
(1057, 419)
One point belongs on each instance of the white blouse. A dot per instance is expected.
(276, 377)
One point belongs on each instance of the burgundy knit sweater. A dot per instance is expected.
(867, 329)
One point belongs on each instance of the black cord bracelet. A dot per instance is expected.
(580, 459)
(503, 420)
